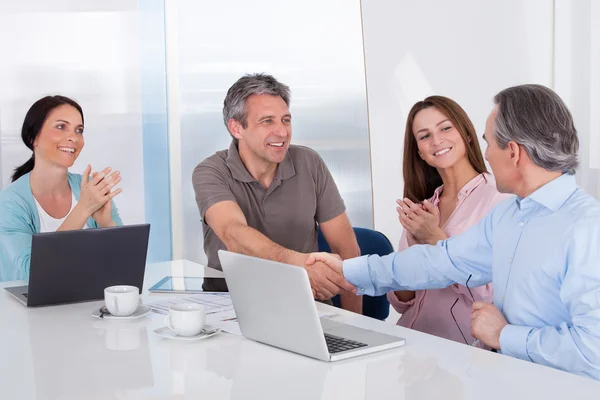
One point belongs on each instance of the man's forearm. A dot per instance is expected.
(246, 240)
(349, 301)
(325, 283)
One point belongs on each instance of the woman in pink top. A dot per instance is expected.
(443, 167)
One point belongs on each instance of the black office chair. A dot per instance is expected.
(370, 242)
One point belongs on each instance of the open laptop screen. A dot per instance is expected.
(70, 266)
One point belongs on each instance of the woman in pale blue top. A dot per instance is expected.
(44, 196)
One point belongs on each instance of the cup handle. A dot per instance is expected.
(168, 322)
(115, 304)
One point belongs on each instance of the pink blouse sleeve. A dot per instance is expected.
(400, 306)
(403, 245)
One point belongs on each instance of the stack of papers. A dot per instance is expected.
(218, 307)
(215, 302)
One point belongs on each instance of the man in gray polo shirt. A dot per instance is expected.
(264, 197)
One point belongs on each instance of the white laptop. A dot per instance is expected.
(274, 305)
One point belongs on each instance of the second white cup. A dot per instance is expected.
(186, 319)
(121, 300)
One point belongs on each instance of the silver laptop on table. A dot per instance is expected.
(274, 305)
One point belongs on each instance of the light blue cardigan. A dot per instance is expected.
(19, 220)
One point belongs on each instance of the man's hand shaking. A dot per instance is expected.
(325, 275)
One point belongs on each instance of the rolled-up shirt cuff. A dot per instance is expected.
(356, 271)
(513, 341)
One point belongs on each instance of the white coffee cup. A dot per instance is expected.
(121, 300)
(186, 319)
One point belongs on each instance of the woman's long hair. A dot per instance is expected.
(34, 120)
(421, 179)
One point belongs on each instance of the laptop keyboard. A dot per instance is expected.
(337, 344)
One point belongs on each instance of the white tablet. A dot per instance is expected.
(172, 284)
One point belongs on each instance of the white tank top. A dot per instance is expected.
(50, 224)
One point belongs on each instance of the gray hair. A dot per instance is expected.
(234, 105)
(535, 117)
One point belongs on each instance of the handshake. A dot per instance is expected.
(326, 275)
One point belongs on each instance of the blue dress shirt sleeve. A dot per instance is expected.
(513, 341)
(573, 346)
(427, 266)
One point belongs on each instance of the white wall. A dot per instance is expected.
(93, 57)
(464, 49)
(577, 80)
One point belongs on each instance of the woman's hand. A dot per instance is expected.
(411, 239)
(420, 221)
(96, 195)
(104, 214)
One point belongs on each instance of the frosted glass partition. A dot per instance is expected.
(154, 127)
(218, 42)
(91, 51)
(464, 49)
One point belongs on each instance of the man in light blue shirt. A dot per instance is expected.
(540, 249)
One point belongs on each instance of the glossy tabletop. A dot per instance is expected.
(62, 352)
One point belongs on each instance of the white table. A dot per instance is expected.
(62, 352)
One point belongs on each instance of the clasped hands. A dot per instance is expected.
(421, 222)
(96, 194)
(325, 275)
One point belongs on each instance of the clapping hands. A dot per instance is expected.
(421, 222)
(96, 194)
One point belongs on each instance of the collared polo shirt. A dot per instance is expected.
(302, 194)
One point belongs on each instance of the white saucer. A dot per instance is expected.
(167, 333)
(140, 312)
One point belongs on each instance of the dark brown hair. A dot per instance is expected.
(421, 179)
